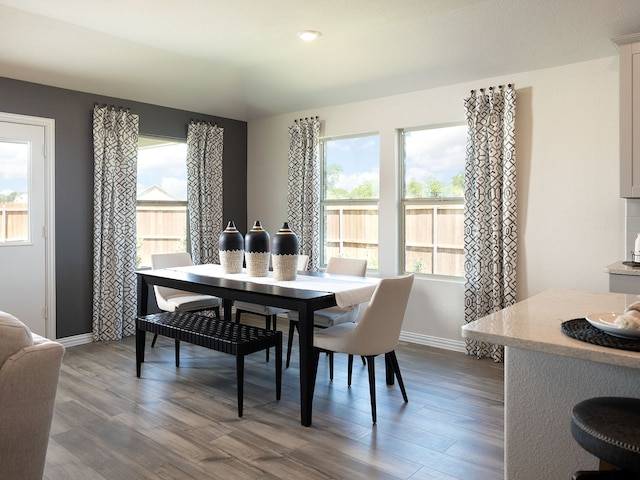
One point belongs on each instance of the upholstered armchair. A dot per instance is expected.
(29, 370)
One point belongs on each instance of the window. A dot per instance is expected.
(161, 218)
(15, 158)
(350, 191)
(433, 199)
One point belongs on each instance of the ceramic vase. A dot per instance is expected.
(284, 254)
(231, 248)
(256, 251)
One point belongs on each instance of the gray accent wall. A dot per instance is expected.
(72, 112)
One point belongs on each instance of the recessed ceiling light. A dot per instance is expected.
(308, 35)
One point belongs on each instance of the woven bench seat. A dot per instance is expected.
(220, 335)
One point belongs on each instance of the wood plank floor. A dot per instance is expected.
(183, 424)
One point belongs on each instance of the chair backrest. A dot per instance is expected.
(379, 327)
(168, 260)
(303, 262)
(347, 266)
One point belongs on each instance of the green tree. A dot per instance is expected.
(331, 178)
(365, 190)
(458, 184)
(414, 189)
(8, 197)
(434, 187)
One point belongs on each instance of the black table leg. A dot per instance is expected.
(305, 335)
(226, 307)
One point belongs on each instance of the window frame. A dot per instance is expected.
(324, 202)
(429, 201)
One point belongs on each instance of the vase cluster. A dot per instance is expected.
(254, 249)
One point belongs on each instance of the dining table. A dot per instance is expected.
(309, 292)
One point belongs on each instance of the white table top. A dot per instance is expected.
(348, 290)
(534, 324)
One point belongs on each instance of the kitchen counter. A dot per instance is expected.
(618, 268)
(623, 278)
(547, 373)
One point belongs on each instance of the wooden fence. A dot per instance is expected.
(434, 234)
(14, 222)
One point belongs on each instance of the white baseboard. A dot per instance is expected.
(76, 340)
(444, 343)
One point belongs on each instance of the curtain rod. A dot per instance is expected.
(482, 90)
(306, 119)
(112, 107)
(201, 122)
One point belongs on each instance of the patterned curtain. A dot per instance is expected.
(204, 190)
(303, 191)
(490, 221)
(115, 149)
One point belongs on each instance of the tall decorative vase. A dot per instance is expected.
(231, 248)
(284, 254)
(256, 251)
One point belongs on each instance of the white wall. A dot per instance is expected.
(571, 219)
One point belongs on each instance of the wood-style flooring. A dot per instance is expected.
(182, 423)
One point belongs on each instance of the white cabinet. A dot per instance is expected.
(629, 115)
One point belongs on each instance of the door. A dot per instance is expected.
(23, 272)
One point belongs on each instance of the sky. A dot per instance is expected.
(436, 153)
(358, 157)
(430, 154)
(164, 166)
(13, 167)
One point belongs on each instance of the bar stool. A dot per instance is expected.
(609, 428)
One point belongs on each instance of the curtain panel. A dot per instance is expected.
(204, 190)
(490, 219)
(115, 148)
(303, 189)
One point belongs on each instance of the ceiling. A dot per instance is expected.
(241, 59)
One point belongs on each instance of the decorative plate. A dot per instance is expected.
(604, 321)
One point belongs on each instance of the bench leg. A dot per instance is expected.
(140, 338)
(269, 321)
(177, 352)
(240, 380)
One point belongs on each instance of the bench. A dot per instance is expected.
(220, 335)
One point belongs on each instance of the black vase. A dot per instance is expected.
(285, 254)
(231, 248)
(256, 251)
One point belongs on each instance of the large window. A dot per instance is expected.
(350, 191)
(162, 198)
(433, 199)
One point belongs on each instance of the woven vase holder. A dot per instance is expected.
(285, 267)
(231, 260)
(257, 263)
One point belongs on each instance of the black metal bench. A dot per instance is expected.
(220, 335)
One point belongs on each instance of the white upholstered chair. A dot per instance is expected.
(170, 299)
(328, 317)
(269, 313)
(376, 333)
(29, 372)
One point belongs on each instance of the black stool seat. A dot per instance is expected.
(609, 428)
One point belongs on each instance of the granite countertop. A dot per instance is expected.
(619, 269)
(534, 324)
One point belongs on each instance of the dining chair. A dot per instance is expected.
(376, 333)
(269, 313)
(171, 299)
(328, 317)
